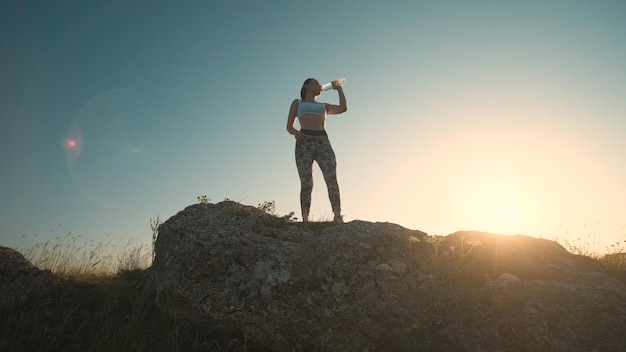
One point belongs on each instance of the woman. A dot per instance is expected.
(312, 143)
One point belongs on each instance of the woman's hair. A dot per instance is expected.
(303, 89)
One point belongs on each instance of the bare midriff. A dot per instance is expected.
(312, 122)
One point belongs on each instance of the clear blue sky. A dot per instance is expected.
(500, 116)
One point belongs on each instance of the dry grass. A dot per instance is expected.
(67, 256)
(102, 303)
(613, 257)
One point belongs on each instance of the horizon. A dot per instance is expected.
(506, 118)
(63, 246)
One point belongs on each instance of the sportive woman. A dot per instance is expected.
(312, 143)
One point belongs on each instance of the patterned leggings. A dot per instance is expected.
(316, 148)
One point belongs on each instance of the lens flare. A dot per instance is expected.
(73, 145)
(103, 158)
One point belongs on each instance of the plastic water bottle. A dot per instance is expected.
(329, 85)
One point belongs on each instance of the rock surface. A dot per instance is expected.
(19, 279)
(381, 287)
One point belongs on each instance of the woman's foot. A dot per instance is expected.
(338, 218)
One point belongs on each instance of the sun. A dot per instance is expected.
(500, 210)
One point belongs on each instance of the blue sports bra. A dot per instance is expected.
(306, 108)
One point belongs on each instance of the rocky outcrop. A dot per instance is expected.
(381, 287)
(19, 279)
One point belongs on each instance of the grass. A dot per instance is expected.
(67, 257)
(101, 303)
(613, 257)
(101, 313)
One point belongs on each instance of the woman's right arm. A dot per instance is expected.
(291, 120)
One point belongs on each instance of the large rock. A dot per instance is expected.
(380, 287)
(20, 279)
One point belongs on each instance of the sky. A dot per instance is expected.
(500, 116)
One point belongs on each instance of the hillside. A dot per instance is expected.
(231, 277)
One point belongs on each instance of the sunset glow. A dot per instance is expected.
(496, 116)
(500, 209)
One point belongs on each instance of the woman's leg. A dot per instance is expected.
(328, 164)
(304, 163)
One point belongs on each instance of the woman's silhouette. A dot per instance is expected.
(312, 143)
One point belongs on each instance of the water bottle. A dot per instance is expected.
(329, 86)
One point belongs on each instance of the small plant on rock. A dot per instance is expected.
(268, 207)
